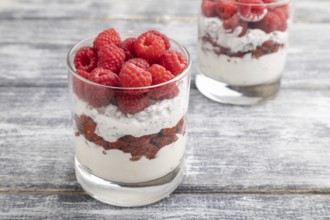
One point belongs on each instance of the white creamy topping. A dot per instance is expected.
(249, 42)
(113, 124)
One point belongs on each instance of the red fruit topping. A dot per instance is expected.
(269, 1)
(225, 10)
(78, 84)
(283, 12)
(251, 10)
(89, 129)
(104, 77)
(163, 36)
(164, 140)
(85, 59)
(134, 76)
(149, 47)
(110, 36)
(270, 23)
(233, 23)
(173, 61)
(168, 131)
(139, 62)
(117, 144)
(159, 74)
(208, 8)
(128, 46)
(111, 57)
(180, 126)
(132, 103)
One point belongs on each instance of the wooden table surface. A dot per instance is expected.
(264, 162)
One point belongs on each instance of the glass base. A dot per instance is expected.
(128, 195)
(236, 95)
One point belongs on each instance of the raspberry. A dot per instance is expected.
(163, 36)
(128, 46)
(251, 10)
(159, 74)
(139, 62)
(104, 77)
(225, 10)
(132, 103)
(85, 59)
(172, 92)
(283, 13)
(149, 47)
(106, 37)
(269, 24)
(78, 84)
(173, 61)
(134, 76)
(208, 8)
(111, 57)
(233, 23)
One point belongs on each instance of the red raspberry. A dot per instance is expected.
(173, 61)
(149, 47)
(85, 59)
(233, 23)
(104, 77)
(132, 104)
(78, 84)
(172, 92)
(134, 76)
(269, 1)
(110, 36)
(251, 10)
(128, 46)
(139, 62)
(111, 57)
(163, 36)
(270, 23)
(225, 10)
(159, 74)
(283, 12)
(208, 8)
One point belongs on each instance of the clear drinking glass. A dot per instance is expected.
(128, 159)
(242, 49)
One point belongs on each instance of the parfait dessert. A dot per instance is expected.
(129, 107)
(243, 44)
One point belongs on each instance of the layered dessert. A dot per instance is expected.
(130, 100)
(243, 42)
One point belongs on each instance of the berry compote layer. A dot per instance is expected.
(130, 100)
(243, 42)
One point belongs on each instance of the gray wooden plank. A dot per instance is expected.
(178, 206)
(37, 57)
(305, 10)
(282, 146)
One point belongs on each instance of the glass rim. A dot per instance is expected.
(277, 2)
(175, 79)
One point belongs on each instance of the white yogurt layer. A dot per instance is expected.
(246, 71)
(213, 27)
(116, 165)
(113, 124)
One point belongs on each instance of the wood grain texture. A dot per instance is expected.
(261, 162)
(178, 206)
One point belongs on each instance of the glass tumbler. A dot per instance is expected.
(242, 49)
(129, 142)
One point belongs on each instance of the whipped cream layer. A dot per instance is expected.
(213, 28)
(245, 71)
(113, 124)
(115, 165)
